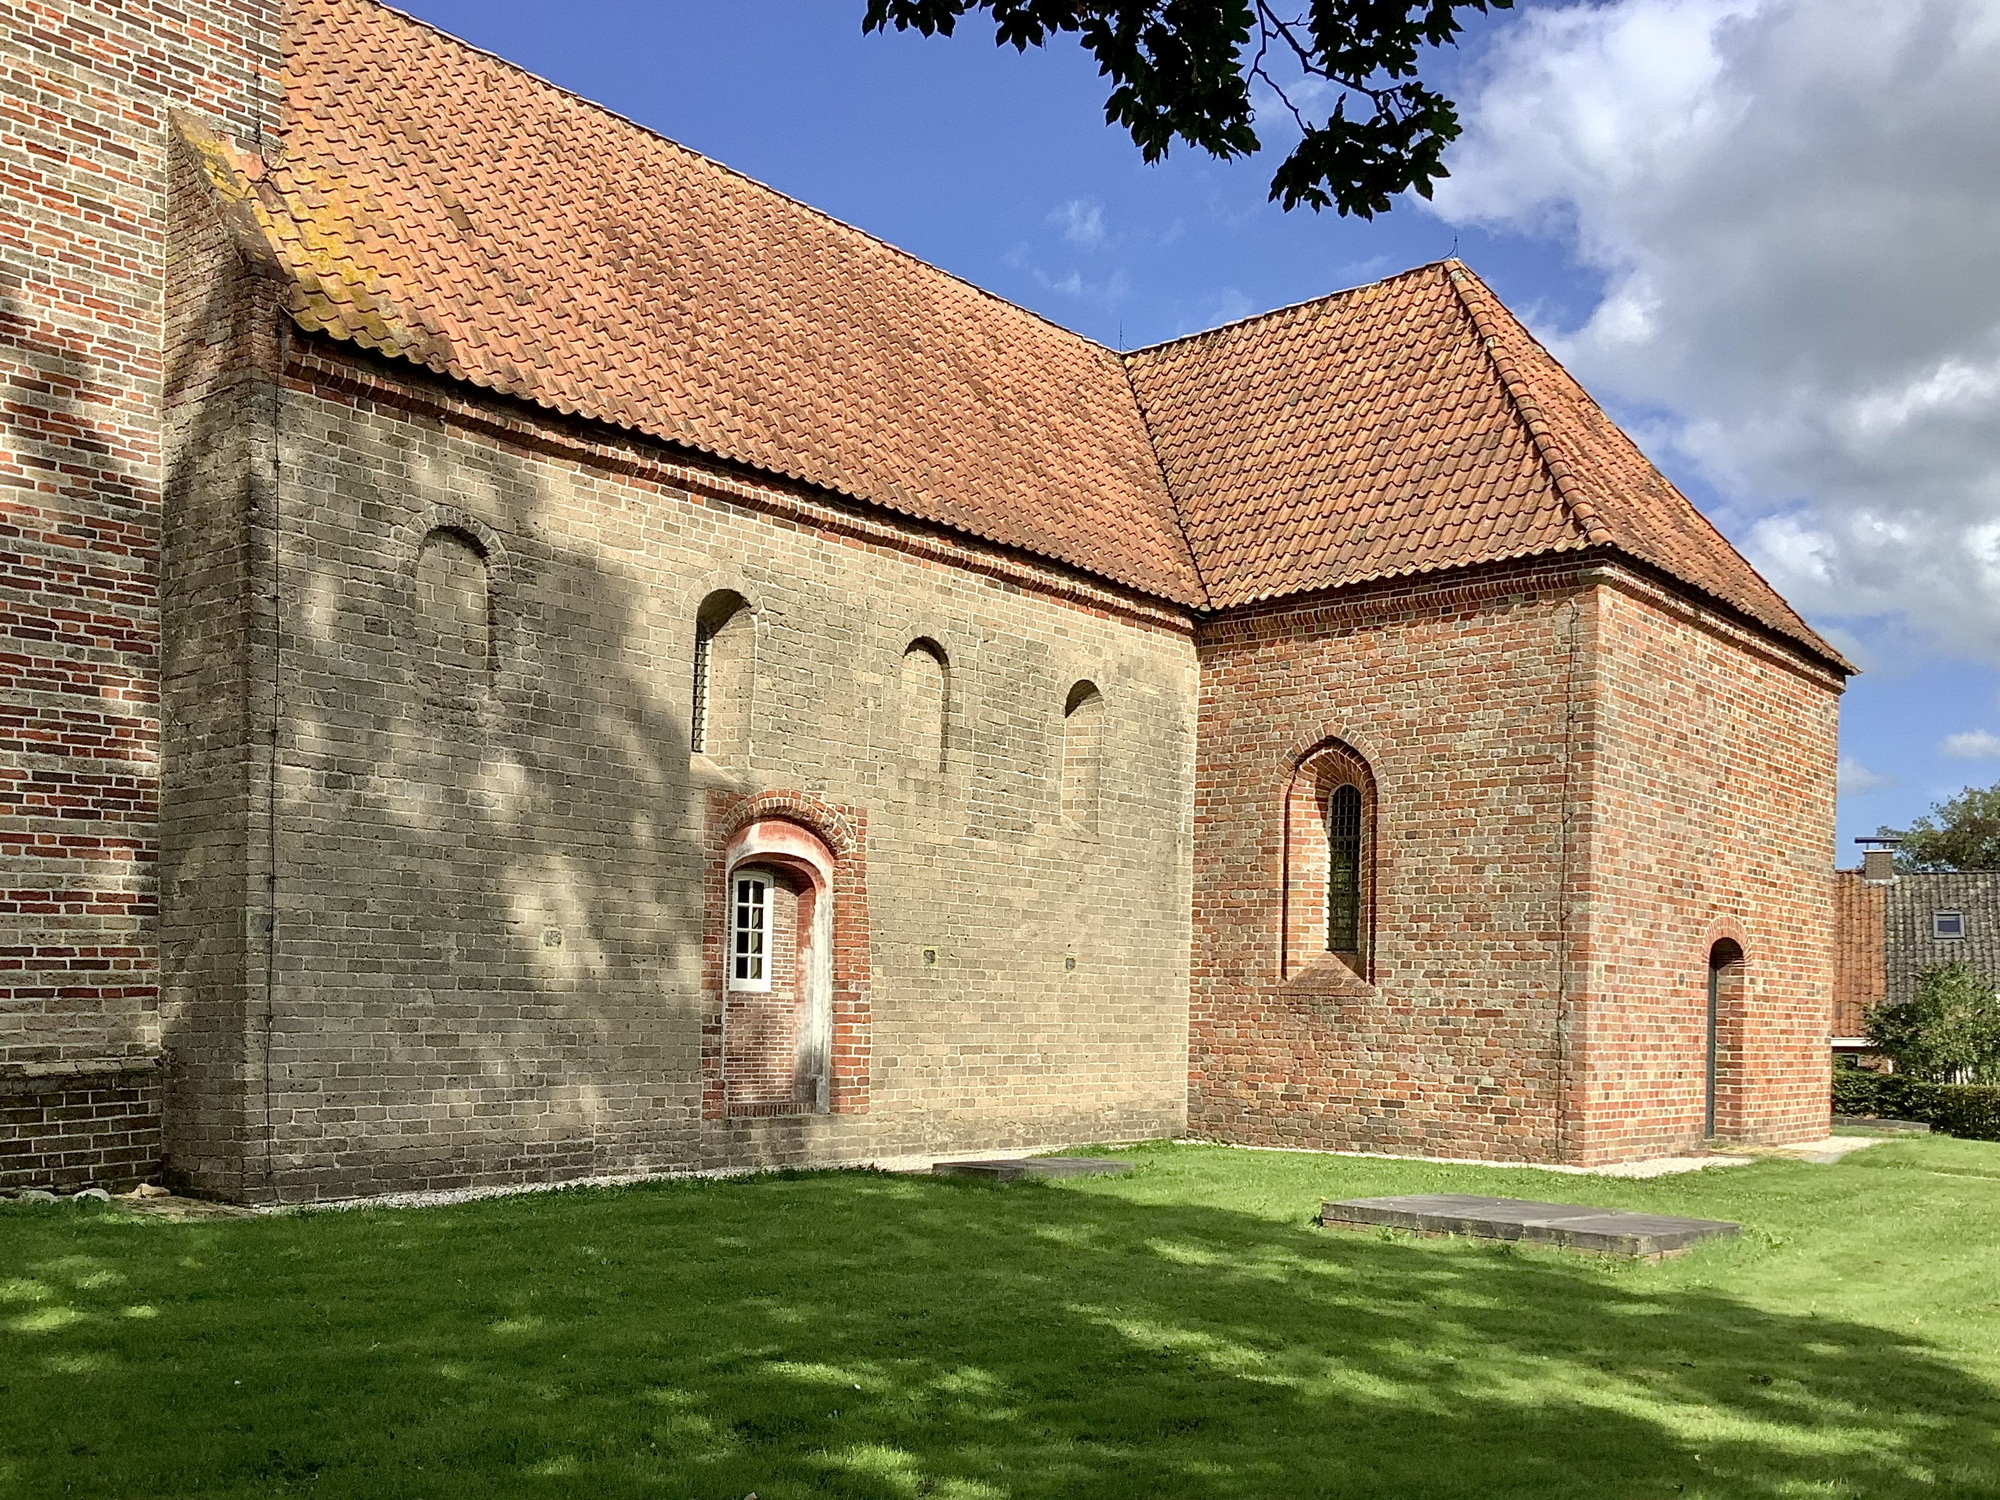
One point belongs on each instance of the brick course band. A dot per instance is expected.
(79, 1125)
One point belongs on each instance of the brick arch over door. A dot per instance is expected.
(736, 824)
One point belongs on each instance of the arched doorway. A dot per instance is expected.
(1721, 1112)
(777, 1015)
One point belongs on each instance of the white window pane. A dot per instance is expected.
(747, 920)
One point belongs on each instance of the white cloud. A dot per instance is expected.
(1856, 779)
(1224, 304)
(1081, 221)
(1974, 744)
(1795, 205)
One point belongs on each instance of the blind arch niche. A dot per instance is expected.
(924, 694)
(1082, 754)
(454, 635)
(721, 707)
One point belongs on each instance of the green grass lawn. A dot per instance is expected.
(1184, 1331)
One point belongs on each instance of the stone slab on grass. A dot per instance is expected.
(1870, 1122)
(1040, 1167)
(1603, 1231)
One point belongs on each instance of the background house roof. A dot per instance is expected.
(1910, 944)
(436, 204)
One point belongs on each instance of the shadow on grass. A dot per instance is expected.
(858, 1335)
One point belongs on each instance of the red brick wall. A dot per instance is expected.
(1580, 787)
(1456, 696)
(83, 387)
(83, 125)
(1860, 967)
(1708, 815)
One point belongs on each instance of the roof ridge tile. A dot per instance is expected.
(1583, 511)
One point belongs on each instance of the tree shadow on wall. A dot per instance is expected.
(857, 1335)
(500, 871)
(481, 947)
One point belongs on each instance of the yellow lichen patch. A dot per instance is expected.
(314, 221)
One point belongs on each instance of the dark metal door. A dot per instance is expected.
(1714, 996)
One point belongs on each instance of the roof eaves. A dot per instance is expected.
(1195, 598)
(1408, 570)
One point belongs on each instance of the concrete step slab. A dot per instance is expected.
(1040, 1167)
(1602, 1231)
(1890, 1127)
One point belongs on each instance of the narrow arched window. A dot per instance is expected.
(1083, 753)
(454, 616)
(1331, 864)
(724, 662)
(1343, 870)
(925, 691)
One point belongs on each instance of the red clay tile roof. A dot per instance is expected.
(443, 206)
(1360, 436)
(438, 205)
(1404, 427)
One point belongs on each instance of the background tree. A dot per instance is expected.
(1183, 70)
(1950, 1033)
(1961, 833)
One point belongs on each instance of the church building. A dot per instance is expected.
(530, 655)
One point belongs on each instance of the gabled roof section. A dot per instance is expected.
(1357, 437)
(1404, 427)
(1610, 486)
(435, 204)
(438, 205)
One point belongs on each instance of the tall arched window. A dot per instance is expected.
(1343, 871)
(1330, 864)
(1083, 753)
(925, 691)
(724, 671)
(454, 616)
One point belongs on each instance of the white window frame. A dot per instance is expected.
(749, 917)
(1938, 919)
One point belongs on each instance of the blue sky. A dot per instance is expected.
(1583, 195)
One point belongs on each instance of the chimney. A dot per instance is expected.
(1878, 866)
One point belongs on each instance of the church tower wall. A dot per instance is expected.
(84, 248)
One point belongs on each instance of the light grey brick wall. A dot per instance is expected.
(487, 955)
